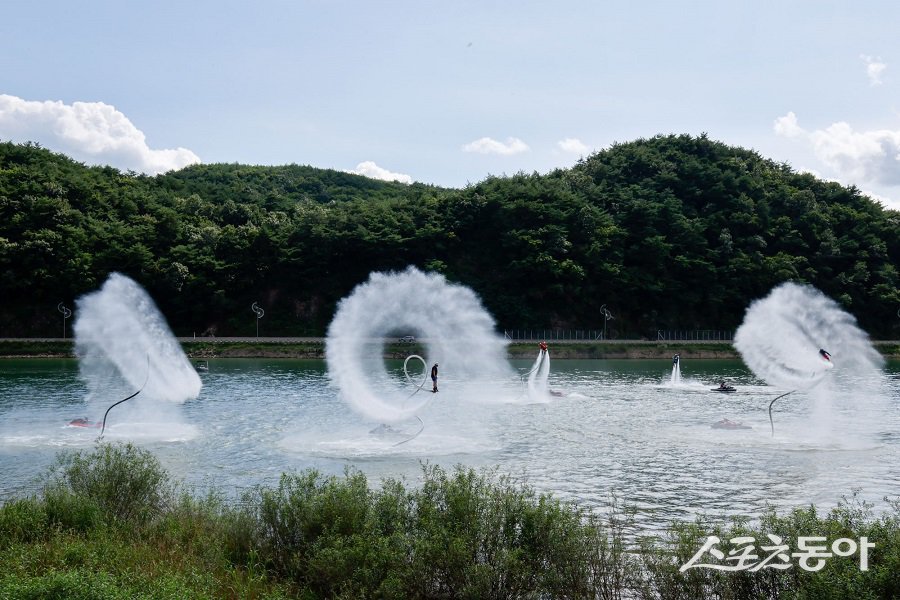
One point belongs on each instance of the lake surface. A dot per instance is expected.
(621, 428)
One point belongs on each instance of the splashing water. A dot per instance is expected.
(123, 341)
(781, 338)
(449, 321)
(538, 386)
(782, 334)
(676, 371)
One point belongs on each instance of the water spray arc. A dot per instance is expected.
(782, 339)
(124, 343)
(448, 320)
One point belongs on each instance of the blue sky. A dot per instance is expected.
(448, 93)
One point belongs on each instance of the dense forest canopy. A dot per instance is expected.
(673, 232)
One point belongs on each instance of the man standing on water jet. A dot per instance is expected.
(434, 375)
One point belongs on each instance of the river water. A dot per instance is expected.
(619, 428)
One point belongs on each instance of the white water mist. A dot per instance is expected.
(675, 379)
(448, 320)
(780, 340)
(538, 376)
(123, 341)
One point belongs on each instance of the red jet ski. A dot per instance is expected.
(84, 422)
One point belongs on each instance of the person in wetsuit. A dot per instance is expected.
(434, 376)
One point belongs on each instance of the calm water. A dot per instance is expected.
(620, 428)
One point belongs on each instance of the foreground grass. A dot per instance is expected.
(110, 523)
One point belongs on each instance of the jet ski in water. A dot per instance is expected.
(724, 387)
(84, 422)
(729, 424)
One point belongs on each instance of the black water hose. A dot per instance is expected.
(415, 435)
(416, 391)
(124, 399)
(771, 422)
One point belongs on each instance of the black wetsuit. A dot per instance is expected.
(434, 374)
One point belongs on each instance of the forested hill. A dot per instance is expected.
(673, 232)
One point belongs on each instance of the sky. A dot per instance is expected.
(449, 93)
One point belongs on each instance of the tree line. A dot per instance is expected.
(671, 232)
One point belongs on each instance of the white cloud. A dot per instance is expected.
(487, 145)
(884, 200)
(92, 132)
(874, 69)
(373, 171)
(857, 156)
(787, 126)
(573, 145)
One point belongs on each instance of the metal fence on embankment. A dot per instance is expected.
(553, 334)
(696, 335)
(662, 335)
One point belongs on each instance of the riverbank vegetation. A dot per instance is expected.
(673, 233)
(110, 523)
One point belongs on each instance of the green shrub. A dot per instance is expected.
(68, 510)
(479, 535)
(462, 534)
(318, 531)
(22, 521)
(126, 483)
(66, 585)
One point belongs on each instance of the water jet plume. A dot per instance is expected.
(447, 319)
(783, 333)
(123, 344)
(538, 386)
(798, 339)
(676, 370)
